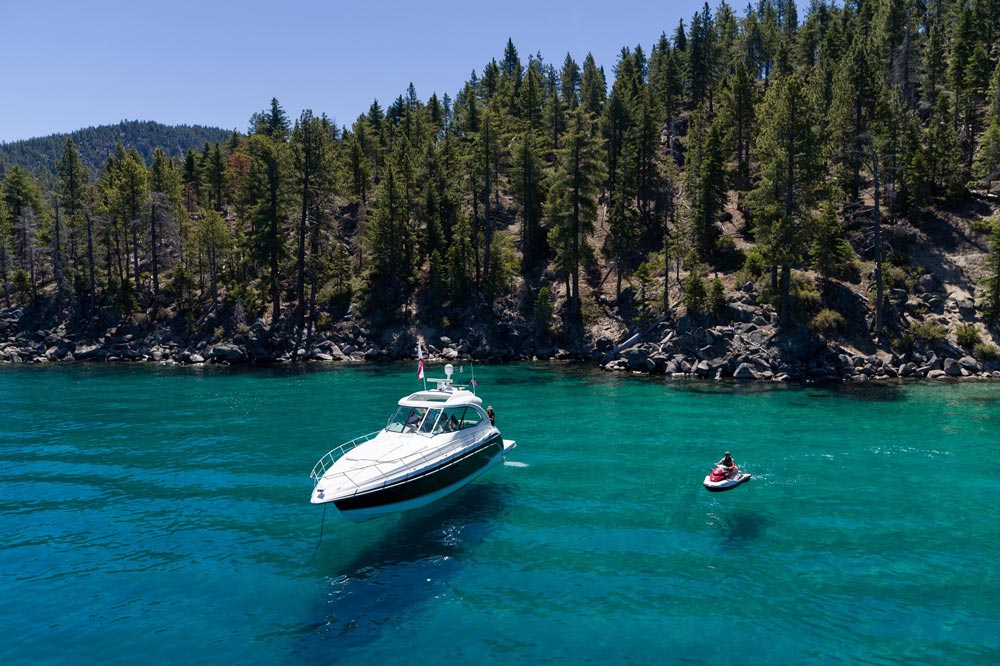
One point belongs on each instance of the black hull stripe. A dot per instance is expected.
(442, 476)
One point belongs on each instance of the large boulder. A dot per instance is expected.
(970, 364)
(637, 359)
(228, 353)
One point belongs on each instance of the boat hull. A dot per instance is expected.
(726, 484)
(426, 487)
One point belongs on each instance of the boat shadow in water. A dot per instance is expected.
(408, 564)
(741, 528)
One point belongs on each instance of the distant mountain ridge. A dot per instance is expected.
(40, 155)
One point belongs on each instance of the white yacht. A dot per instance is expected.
(435, 442)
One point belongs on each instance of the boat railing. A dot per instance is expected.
(326, 462)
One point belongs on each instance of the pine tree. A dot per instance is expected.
(991, 306)
(569, 82)
(943, 151)
(853, 112)
(986, 167)
(213, 240)
(790, 177)
(706, 182)
(528, 193)
(737, 115)
(593, 87)
(192, 181)
(164, 210)
(829, 251)
(389, 244)
(73, 179)
(700, 58)
(4, 236)
(26, 215)
(312, 153)
(666, 84)
(268, 191)
(933, 63)
(573, 203)
(215, 176)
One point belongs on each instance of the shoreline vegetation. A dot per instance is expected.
(755, 196)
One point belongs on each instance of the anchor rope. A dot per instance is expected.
(319, 542)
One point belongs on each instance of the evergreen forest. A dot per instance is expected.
(747, 145)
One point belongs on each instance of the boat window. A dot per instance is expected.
(405, 418)
(459, 418)
(430, 421)
(452, 419)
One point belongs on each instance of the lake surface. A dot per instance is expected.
(154, 515)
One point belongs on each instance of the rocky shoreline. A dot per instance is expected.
(749, 346)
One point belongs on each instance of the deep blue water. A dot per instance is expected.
(151, 515)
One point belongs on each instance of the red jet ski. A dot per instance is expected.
(725, 478)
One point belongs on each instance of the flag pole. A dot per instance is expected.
(420, 365)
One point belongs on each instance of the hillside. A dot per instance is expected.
(758, 196)
(95, 144)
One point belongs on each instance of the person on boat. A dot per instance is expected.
(413, 418)
(489, 413)
(727, 462)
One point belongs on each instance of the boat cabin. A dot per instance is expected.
(436, 412)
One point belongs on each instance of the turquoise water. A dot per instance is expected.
(149, 515)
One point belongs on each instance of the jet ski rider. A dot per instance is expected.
(727, 462)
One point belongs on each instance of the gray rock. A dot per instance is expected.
(740, 314)
(936, 374)
(898, 297)
(927, 282)
(952, 368)
(967, 363)
(744, 371)
(227, 352)
(965, 307)
(636, 359)
(934, 303)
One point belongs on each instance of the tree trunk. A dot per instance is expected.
(786, 295)
(487, 225)
(154, 258)
(90, 263)
(135, 250)
(300, 283)
(666, 275)
(878, 252)
(3, 272)
(57, 263)
(275, 288)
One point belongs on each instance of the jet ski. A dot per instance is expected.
(725, 478)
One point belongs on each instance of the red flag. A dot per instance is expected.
(420, 362)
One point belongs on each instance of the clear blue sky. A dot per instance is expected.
(69, 65)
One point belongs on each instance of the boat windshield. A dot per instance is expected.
(432, 421)
(405, 419)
